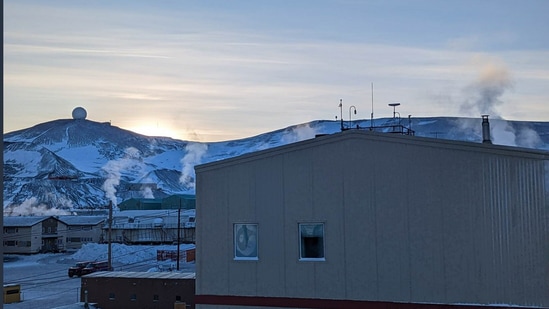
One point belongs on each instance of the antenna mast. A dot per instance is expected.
(372, 114)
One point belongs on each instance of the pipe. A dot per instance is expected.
(486, 130)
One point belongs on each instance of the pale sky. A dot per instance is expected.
(222, 70)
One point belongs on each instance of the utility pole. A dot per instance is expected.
(110, 237)
(178, 231)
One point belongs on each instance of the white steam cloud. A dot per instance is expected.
(483, 97)
(298, 133)
(146, 192)
(32, 207)
(195, 152)
(484, 94)
(113, 170)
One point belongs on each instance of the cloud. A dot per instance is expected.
(210, 72)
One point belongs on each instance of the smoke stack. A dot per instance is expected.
(486, 130)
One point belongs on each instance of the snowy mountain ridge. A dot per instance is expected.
(77, 163)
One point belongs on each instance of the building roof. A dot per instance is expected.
(138, 274)
(365, 135)
(23, 221)
(156, 213)
(82, 220)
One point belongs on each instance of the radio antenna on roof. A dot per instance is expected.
(372, 114)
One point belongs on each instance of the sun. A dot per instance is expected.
(157, 129)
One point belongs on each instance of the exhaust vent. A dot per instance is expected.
(486, 130)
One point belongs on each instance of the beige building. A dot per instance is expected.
(361, 219)
(82, 229)
(25, 235)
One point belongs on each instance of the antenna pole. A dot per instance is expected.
(372, 114)
(341, 113)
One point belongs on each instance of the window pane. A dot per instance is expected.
(245, 241)
(311, 240)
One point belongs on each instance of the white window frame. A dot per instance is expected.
(302, 228)
(251, 244)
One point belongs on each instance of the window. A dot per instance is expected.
(24, 243)
(311, 241)
(245, 241)
(111, 296)
(155, 297)
(177, 298)
(10, 230)
(10, 243)
(133, 297)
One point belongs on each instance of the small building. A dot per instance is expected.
(140, 204)
(120, 289)
(362, 219)
(152, 226)
(183, 201)
(176, 201)
(12, 293)
(33, 234)
(82, 229)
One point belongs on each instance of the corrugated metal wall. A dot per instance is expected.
(407, 219)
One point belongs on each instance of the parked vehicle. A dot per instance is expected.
(76, 270)
(95, 266)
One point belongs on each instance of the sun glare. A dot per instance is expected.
(154, 130)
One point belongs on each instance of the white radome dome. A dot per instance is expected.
(79, 113)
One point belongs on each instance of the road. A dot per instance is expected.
(44, 280)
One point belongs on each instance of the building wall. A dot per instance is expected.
(114, 292)
(407, 219)
(151, 235)
(23, 240)
(81, 234)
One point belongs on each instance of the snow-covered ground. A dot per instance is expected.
(44, 280)
(124, 255)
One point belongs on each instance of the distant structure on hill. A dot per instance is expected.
(183, 201)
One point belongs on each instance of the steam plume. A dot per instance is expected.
(195, 152)
(146, 192)
(31, 207)
(114, 169)
(483, 95)
(298, 133)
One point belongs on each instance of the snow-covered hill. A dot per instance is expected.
(78, 163)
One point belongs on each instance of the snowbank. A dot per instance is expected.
(124, 254)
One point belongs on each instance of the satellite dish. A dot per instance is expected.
(79, 113)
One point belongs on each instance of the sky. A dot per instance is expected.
(222, 70)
